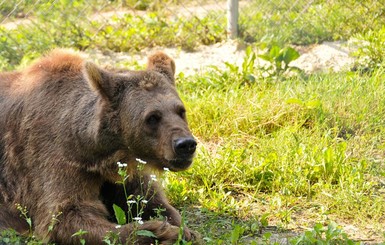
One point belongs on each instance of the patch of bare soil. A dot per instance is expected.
(328, 56)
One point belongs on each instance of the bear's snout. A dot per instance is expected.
(185, 147)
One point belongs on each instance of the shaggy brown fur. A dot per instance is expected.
(65, 122)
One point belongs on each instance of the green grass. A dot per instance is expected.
(299, 150)
(299, 22)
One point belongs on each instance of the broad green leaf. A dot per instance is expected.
(295, 69)
(250, 77)
(265, 57)
(312, 104)
(294, 101)
(248, 50)
(231, 67)
(279, 58)
(79, 233)
(119, 215)
(29, 221)
(274, 51)
(289, 54)
(145, 233)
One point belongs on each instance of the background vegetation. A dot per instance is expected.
(299, 155)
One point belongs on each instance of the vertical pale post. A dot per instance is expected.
(232, 19)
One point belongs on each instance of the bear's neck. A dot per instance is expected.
(97, 138)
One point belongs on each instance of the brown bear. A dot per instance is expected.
(64, 125)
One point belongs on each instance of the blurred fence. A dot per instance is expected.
(32, 26)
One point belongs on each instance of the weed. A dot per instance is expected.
(10, 237)
(24, 214)
(279, 59)
(79, 234)
(332, 234)
(135, 204)
(236, 233)
(245, 73)
(370, 51)
(112, 238)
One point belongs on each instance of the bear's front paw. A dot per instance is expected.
(164, 232)
(196, 238)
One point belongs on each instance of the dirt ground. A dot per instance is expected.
(328, 56)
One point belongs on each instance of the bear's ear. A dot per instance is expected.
(162, 63)
(98, 79)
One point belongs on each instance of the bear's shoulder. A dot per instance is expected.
(59, 61)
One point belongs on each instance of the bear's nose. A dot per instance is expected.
(185, 146)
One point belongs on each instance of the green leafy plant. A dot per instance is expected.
(332, 234)
(120, 215)
(370, 52)
(112, 238)
(10, 237)
(236, 234)
(24, 214)
(79, 234)
(136, 205)
(245, 73)
(278, 58)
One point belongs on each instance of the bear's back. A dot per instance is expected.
(36, 105)
(41, 97)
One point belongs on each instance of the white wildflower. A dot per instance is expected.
(144, 201)
(118, 226)
(140, 161)
(139, 220)
(131, 201)
(121, 165)
(153, 177)
(166, 169)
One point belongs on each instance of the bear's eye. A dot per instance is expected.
(182, 113)
(153, 120)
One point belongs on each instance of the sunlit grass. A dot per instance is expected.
(302, 150)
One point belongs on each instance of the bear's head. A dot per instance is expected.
(145, 112)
